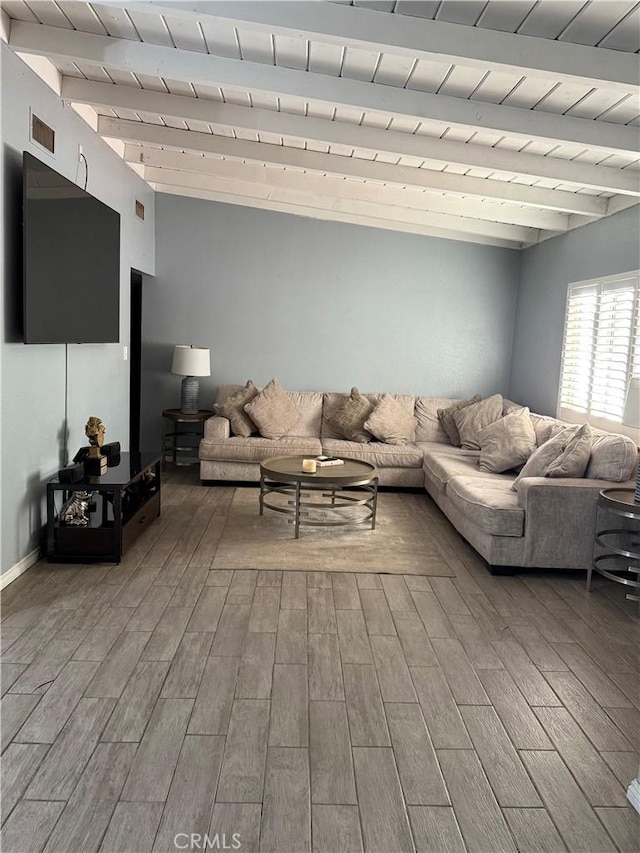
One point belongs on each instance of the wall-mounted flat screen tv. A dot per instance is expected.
(71, 261)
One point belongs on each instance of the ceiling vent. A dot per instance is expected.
(42, 133)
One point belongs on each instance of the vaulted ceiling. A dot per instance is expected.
(502, 122)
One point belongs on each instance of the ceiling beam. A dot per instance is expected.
(374, 210)
(297, 208)
(338, 187)
(200, 68)
(395, 143)
(351, 167)
(418, 38)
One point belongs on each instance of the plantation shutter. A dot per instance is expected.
(601, 348)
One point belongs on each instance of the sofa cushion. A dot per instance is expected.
(470, 420)
(490, 504)
(540, 459)
(256, 448)
(447, 420)
(272, 411)
(509, 406)
(507, 443)
(333, 399)
(440, 467)
(224, 391)
(391, 422)
(232, 408)
(546, 427)
(574, 459)
(309, 406)
(613, 457)
(348, 417)
(428, 426)
(375, 452)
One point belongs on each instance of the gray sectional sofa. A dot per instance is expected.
(547, 523)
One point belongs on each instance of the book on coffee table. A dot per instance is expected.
(321, 461)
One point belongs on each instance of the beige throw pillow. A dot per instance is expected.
(470, 420)
(272, 411)
(574, 459)
(507, 443)
(390, 422)
(349, 416)
(445, 416)
(540, 459)
(233, 409)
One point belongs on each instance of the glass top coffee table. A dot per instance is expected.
(334, 496)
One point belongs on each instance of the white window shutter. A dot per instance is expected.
(601, 347)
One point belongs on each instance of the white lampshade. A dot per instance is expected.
(191, 361)
(631, 416)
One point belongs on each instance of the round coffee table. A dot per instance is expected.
(344, 488)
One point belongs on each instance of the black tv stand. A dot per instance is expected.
(126, 502)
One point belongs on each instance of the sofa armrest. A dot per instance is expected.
(560, 520)
(216, 427)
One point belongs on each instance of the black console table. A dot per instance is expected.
(126, 499)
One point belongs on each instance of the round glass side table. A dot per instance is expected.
(620, 546)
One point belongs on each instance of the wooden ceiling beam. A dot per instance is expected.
(351, 167)
(201, 68)
(408, 36)
(286, 204)
(337, 187)
(395, 143)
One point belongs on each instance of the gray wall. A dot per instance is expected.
(33, 377)
(603, 248)
(322, 305)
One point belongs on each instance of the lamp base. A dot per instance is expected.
(189, 395)
(636, 497)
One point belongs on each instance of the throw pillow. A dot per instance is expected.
(507, 443)
(349, 416)
(445, 416)
(272, 411)
(470, 420)
(574, 459)
(546, 427)
(233, 409)
(390, 422)
(540, 459)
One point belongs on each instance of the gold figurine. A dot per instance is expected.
(95, 430)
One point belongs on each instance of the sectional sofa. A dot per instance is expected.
(546, 523)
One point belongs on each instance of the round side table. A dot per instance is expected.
(620, 545)
(173, 446)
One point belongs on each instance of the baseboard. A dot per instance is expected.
(19, 568)
(633, 794)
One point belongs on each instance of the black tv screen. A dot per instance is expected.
(71, 261)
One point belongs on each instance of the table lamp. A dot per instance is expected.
(631, 417)
(190, 362)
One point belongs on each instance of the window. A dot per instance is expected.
(601, 348)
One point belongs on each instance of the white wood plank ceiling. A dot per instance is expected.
(502, 122)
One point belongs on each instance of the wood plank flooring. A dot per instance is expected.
(312, 711)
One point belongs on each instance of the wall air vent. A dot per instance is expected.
(42, 133)
(139, 209)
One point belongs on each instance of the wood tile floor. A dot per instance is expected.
(149, 704)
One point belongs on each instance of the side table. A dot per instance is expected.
(173, 444)
(620, 545)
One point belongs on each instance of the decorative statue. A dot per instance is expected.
(95, 430)
(75, 511)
